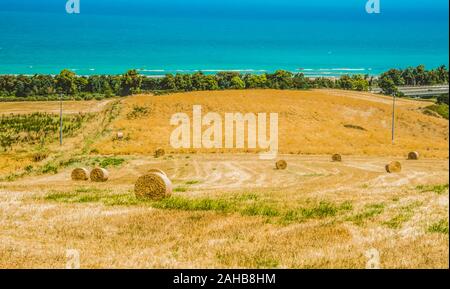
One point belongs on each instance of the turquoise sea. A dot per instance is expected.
(321, 37)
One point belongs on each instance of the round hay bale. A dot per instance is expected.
(99, 175)
(120, 135)
(156, 171)
(281, 165)
(413, 156)
(159, 153)
(80, 174)
(153, 186)
(394, 167)
(336, 158)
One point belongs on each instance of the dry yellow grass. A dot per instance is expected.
(36, 232)
(11, 162)
(235, 210)
(310, 122)
(69, 107)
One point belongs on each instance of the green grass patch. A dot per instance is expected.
(50, 168)
(398, 221)
(104, 162)
(319, 211)
(37, 128)
(11, 177)
(439, 227)
(184, 204)
(190, 183)
(93, 195)
(406, 213)
(260, 210)
(138, 112)
(325, 209)
(108, 162)
(247, 197)
(438, 189)
(244, 204)
(180, 190)
(439, 109)
(70, 162)
(369, 212)
(266, 263)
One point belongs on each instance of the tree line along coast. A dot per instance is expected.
(68, 85)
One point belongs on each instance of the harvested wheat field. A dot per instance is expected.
(52, 107)
(310, 122)
(229, 209)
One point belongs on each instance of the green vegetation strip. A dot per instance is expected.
(405, 214)
(53, 166)
(48, 87)
(438, 189)
(37, 128)
(246, 204)
(439, 227)
(369, 212)
(440, 109)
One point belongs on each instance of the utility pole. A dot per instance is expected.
(60, 120)
(393, 119)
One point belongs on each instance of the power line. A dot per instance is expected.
(60, 120)
(393, 119)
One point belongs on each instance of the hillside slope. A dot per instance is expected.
(310, 122)
(231, 210)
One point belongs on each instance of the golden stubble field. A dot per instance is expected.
(310, 122)
(90, 106)
(231, 209)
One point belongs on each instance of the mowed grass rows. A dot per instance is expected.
(253, 204)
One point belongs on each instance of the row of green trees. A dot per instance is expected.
(68, 83)
(412, 76)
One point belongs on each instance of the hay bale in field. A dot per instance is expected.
(281, 165)
(156, 171)
(336, 158)
(159, 153)
(120, 135)
(413, 156)
(80, 174)
(394, 167)
(99, 175)
(153, 186)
